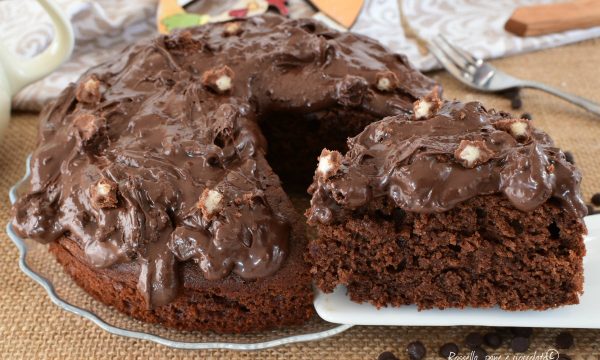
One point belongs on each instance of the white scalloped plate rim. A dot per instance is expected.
(56, 299)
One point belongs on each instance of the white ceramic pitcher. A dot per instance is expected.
(16, 73)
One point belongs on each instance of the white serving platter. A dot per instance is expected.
(337, 307)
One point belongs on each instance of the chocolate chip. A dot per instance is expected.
(596, 199)
(563, 357)
(515, 98)
(479, 354)
(474, 340)
(448, 350)
(516, 103)
(387, 355)
(519, 344)
(504, 331)
(522, 331)
(526, 116)
(564, 340)
(590, 209)
(493, 340)
(569, 157)
(416, 350)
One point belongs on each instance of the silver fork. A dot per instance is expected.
(482, 76)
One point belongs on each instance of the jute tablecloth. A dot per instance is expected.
(32, 327)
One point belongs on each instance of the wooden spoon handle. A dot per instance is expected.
(551, 18)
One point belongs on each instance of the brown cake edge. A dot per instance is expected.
(195, 308)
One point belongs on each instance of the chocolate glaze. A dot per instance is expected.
(125, 155)
(414, 164)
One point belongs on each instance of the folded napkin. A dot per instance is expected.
(104, 28)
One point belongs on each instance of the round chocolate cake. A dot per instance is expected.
(156, 180)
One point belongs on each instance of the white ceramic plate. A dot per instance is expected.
(337, 307)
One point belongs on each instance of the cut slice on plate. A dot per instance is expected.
(336, 307)
(453, 206)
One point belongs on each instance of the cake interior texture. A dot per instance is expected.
(461, 207)
(482, 253)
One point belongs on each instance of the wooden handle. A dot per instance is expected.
(551, 18)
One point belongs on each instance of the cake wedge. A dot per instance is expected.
(453, 206)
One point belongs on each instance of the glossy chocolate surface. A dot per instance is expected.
(457, 152)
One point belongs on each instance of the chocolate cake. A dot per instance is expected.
(154, 179)
(452, 206)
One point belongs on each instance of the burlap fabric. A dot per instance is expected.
(32, 327)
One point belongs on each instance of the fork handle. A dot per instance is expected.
(577, 100)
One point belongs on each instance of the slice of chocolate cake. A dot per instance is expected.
(453, 206)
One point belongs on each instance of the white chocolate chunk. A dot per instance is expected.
(325, 165)
(223, 83)
(91, 85)
(470, 154)
(518, 129)
(210, 202)
(232, 28)
(422, 109)
(384, 84)
(103, 188)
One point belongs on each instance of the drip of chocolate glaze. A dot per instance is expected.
(149, 125)
(413, 164)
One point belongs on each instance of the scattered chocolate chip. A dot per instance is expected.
(416, 350)
(504, 331)
(516, 103)
(479, 354)
(522, 331)
(519, 344)
(514, 95)
(448, 350)
(474, 340)
(590, 209)
(493, 340)
(526, 116)
(564, 340)
(387, 355)
(569, 157)
(596, 199)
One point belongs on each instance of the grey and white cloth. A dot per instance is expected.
(103, 28)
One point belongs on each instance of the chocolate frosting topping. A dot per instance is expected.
(454, 153)
(155, 158)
